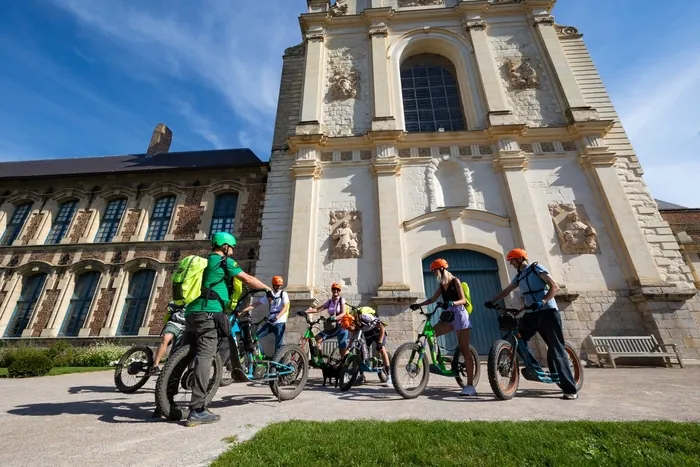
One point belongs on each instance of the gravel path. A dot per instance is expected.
(81, 419)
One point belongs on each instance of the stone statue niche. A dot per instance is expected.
(575, 233)
(436, 194)
(346, 234)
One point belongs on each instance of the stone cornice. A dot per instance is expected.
(389, 166)
(454, 213)
(593, 127)
(499, 131)
(661, 294)
(597, 159)
(387, 136)
(510, 162)
(306, 169)
(298, 141)
(373, 16)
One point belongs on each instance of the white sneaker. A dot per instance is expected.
(388, 382)
(468, 391)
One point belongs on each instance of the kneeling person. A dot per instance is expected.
(374, 331)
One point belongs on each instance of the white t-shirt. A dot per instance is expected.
(278, 303)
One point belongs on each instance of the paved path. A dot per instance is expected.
(81, 419)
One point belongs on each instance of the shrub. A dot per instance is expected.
(61, 353)
(98, 354)
(32, 362)
(9, 354)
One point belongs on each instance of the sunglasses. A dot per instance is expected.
(335, 290)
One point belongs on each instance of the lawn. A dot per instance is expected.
(64, 370)
(360, 443)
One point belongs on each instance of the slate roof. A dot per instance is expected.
(666, 206)
(130, 163)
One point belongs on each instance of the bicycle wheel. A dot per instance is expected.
(409, 351)
(290, 355)
(226, 377)
(459, 368)
(502, 364)
(576, 368)
(130, 366)
(177, 375)
(349, 369)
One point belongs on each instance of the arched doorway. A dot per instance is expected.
(481, 273)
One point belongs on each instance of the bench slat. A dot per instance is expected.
(631, 346)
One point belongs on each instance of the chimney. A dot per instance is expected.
(160, 141)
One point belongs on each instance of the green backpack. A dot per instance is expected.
(187, 279)
(469, 305)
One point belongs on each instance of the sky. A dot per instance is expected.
(90, 78)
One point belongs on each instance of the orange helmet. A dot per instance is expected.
(277, 280)
(516, 253)
(437, 264)
(347, 321)
(336, 285)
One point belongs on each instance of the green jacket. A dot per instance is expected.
(212, 274)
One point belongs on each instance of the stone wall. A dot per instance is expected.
(536, 106)
(45, 310)
(104, 302)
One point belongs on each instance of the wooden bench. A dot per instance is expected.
(614, 347)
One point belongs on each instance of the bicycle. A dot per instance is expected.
(504, 362)
(355, 359)
(280, 371)
(418, 360)
(317, 359)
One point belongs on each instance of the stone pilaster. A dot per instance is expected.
(383, 114)
(312, 100)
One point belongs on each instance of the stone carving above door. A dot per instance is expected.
(436, 195)
(346, 234)
(344, 83)
(575, 233)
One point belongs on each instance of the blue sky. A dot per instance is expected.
(89, 77)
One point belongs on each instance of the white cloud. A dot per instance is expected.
(234, 48)
(658, 104)
(199, 124)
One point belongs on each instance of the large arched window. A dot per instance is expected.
(224, 214)
(160, 218)
(31, 290)
(61, 222)
(110, 220)
(14, 227)
(83, 293)
(136, 303)
(430, 92)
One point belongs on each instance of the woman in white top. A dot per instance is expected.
(278, 312)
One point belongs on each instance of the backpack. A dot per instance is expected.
(236, 293)
(469, 305)
(187, 280)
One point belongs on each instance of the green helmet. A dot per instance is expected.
(223, 238)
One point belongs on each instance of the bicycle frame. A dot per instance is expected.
(310, 338)
(428, 338)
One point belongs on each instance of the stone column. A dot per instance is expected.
(383, 114)
(577, 108)
(312, 98)
(387, 169)
(599, 164)
(511, 161)
(302, 246)
(500, 112)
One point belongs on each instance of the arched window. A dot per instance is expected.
(137, 298)
(83, 293)
(430, 92)
(61, 222)
(160, 218)
(14, 227)
(31, 290)
(224, 213)
(110, 220)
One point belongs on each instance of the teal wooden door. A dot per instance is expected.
(481, 273)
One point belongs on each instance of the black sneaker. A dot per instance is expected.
(570, 397)
(201, 418)
(154, 370)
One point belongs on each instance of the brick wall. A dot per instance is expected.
(80, 225)
(41, 255)
(160, 305)
(251, 214)
(45, 308)
(132, 221)
(32, 227)
(189, 216)
(3, 294)
(99, 317)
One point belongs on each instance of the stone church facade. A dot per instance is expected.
(413, 129)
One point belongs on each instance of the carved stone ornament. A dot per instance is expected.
(576, 235)
(346, 230)
(566, 31)
(436, 196)
(298, 50)
(344, 83)
(522, 74)
(410, 3)
(340, 8)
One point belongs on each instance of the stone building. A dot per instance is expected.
(88, 245)
(413, 129)
(685, 224)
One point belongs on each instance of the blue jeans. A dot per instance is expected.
(277, 329)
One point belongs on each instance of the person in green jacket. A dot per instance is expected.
(200, 318)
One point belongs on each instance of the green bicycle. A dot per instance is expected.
(418, 361)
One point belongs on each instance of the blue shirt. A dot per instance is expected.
(533, 287)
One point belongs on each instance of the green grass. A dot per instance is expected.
(64, 370)
(365, 443)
